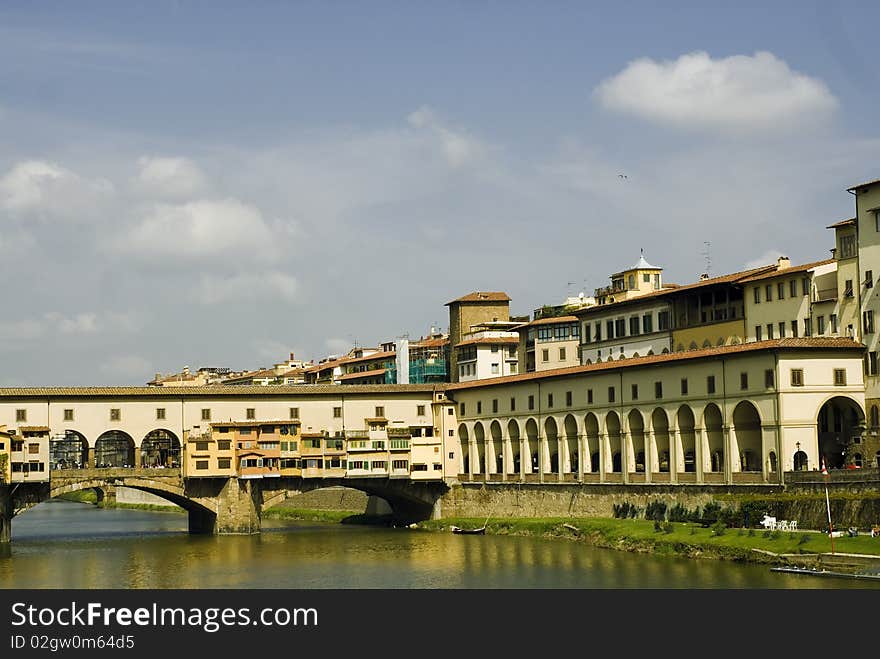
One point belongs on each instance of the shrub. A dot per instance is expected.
(668, 528)
(656, 510)
(657, 526)
(804, 539)
(718, 528)
(709, 514)
(679, 513)
(624, 510)
(751, 532)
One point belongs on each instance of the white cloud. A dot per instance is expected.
(273, 285)
(170, 178)
(86, 322)
(457, 148)
(200, 228)
(21, 330)
(127, 367)
(737, 92)
(49, 191)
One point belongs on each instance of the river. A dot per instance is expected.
(61, 544)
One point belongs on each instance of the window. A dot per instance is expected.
(598, 331)
(797, 377)
(586, 332)
(769, 330)
(479, 407)
(224, 463)
(420, 410)
(820, 325)
(494, 349)
(589, 396)
(780, 290)
(201, 464)
(848, 288)
(201, 446)
(875, 416)
(634, 391)
(868, 321)
(658, 390)
(494, 368)
(160, 413)
(808, 327)
(847, 247)
(568, 399)
(206, 414)
(768, 292)
(684, 386)
(833, 319)
(68, 415)
(562, 354)
(759, 333)
(549, 400)
(512, 404)
(610, 394)
(380, 412)
(757, 293)
(768, 378)
(450, 411)
(792, 287)
(839, 377)
(710, 384)
(646, 277)
(115, 414)
(634, 326)
(545, 355)
(531, 401)
(21, 415)
(620, 327)
(663, 320)
(250, 413)
(294, 412)
(743, 380)
(805, 286)
(609, 329)
(869, 279)
(494, 405)
(646, 324)
(871, 359)
(794, 328)
(226, 445)
(781, 329)
(337, 412)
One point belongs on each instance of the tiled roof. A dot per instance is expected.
(430, 343)
(375, 355)
(252, 423)
(482, 296)
(548, 321)
(215, 391)
(781, 272)
(363, 374)
(861, 185)
(504, 340)
(34, 428)
(822, 343)
(842, 223)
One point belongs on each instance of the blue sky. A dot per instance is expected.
(223, 183)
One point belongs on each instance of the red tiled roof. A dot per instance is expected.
(784, 271)
(375, 355)
(34, 428)
(430, 343)
(773, 344)
(363, 374)
(842, 223)
(548, 321)
(482, 296)
(504, 340)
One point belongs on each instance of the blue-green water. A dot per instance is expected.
(61, 544)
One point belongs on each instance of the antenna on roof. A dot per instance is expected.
(708, 256)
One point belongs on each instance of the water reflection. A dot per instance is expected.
(67, 545)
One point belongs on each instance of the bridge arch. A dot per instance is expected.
(69, 451)
(114, 448)
(160, 448)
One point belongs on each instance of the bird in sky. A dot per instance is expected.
(622, 176)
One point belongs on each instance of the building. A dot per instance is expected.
(640, 279)
(29, 454)
(549, 342)
(5, 450)
(470, 310)
(490, 350)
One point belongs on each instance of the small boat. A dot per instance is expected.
(822, 572)
(479, 531)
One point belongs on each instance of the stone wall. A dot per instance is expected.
(328, 498)
(130, 495)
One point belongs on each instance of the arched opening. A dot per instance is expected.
(841, 424)
(687, 436)
(114, 448)
(800, 461)
(713, 424)
(875, 417)
(551, 437)
(612, 430)
(572, 453)
(747, 437)
(637, 441)
(480, 440)
(513, 441)
(772, 462)
(660, 425)
(877, 459)
(707, 343)
(591, 430)
(497, 448)
(464, 444)
(857, 459)
(69, 451)
(160, 449)
(532, 447)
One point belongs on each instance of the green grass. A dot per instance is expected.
(334, 516)
(685, 539)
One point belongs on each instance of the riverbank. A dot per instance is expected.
(89, 496)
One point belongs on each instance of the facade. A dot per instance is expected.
(640, 279)
(487, 354)
(470, 310)
(548, 343)
(5, 450)
(29, 455)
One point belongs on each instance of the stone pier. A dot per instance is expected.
(236, 510)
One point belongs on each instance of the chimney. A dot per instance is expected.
(157, 378)
(783, 262)
(291, 356)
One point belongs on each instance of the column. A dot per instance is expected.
(650, 449)
(698, 454)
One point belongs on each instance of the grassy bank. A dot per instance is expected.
(673, 538)
(89, 496)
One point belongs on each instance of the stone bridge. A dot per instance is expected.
(224, 506)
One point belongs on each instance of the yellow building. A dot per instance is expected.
(640, 279)
(547, 343)
(5, 450)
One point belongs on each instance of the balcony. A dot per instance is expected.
(396, 433)
(826, 295)
(357, 434)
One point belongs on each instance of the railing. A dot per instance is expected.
(394, 433)
(357, 434)
(863, 475)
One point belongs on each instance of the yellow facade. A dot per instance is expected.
(709, 336)
(5, 450)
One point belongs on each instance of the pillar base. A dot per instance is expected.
(237, 511)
